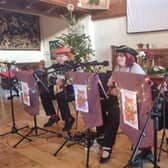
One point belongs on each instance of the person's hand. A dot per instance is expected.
(60, 82)
(110, 83)
(112, 91)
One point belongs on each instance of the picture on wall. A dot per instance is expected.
(94, 4)
(19, 31)
(53, 45)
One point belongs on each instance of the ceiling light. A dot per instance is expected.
(70, 7)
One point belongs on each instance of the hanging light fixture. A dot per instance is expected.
(70, 7)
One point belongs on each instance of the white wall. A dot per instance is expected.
(88, 28)
(50, 28)
(20, 56)
(113, 32)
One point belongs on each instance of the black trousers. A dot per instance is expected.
(111, 119)
(62, 99)
(46, 100)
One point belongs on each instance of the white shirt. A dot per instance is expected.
(135, 68)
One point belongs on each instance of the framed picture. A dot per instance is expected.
(129, 108)
(53, 45)
(19, 31)
(94, 4)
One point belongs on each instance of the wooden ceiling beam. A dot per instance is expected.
(30, 3)
(63, 3)
(51, 9)
(20, 7)
(56, 8)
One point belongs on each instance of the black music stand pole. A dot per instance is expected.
(164, 129)
(88, 148)
(34, 79)
(36, 129)
(153, 114)
(90, 80)
(71, 138)
(14, 130)
(135, 151)
(86, 139)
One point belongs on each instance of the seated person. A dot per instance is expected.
(62, 54)
(110, 107)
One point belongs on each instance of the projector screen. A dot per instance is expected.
(147, 15)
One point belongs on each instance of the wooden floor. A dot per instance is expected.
(39, 152)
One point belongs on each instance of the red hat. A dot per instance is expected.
(61, 50)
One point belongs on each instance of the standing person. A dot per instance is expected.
(125, 62)
(62, 54)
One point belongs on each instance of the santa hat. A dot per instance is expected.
(61, 50)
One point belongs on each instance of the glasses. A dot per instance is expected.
(120, 55)
(61, 56)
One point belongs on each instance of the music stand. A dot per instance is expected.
(142, 134)
(14, 129)
(93, 117)
(30, 98)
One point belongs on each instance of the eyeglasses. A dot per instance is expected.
(120, 55)
(61, 55)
